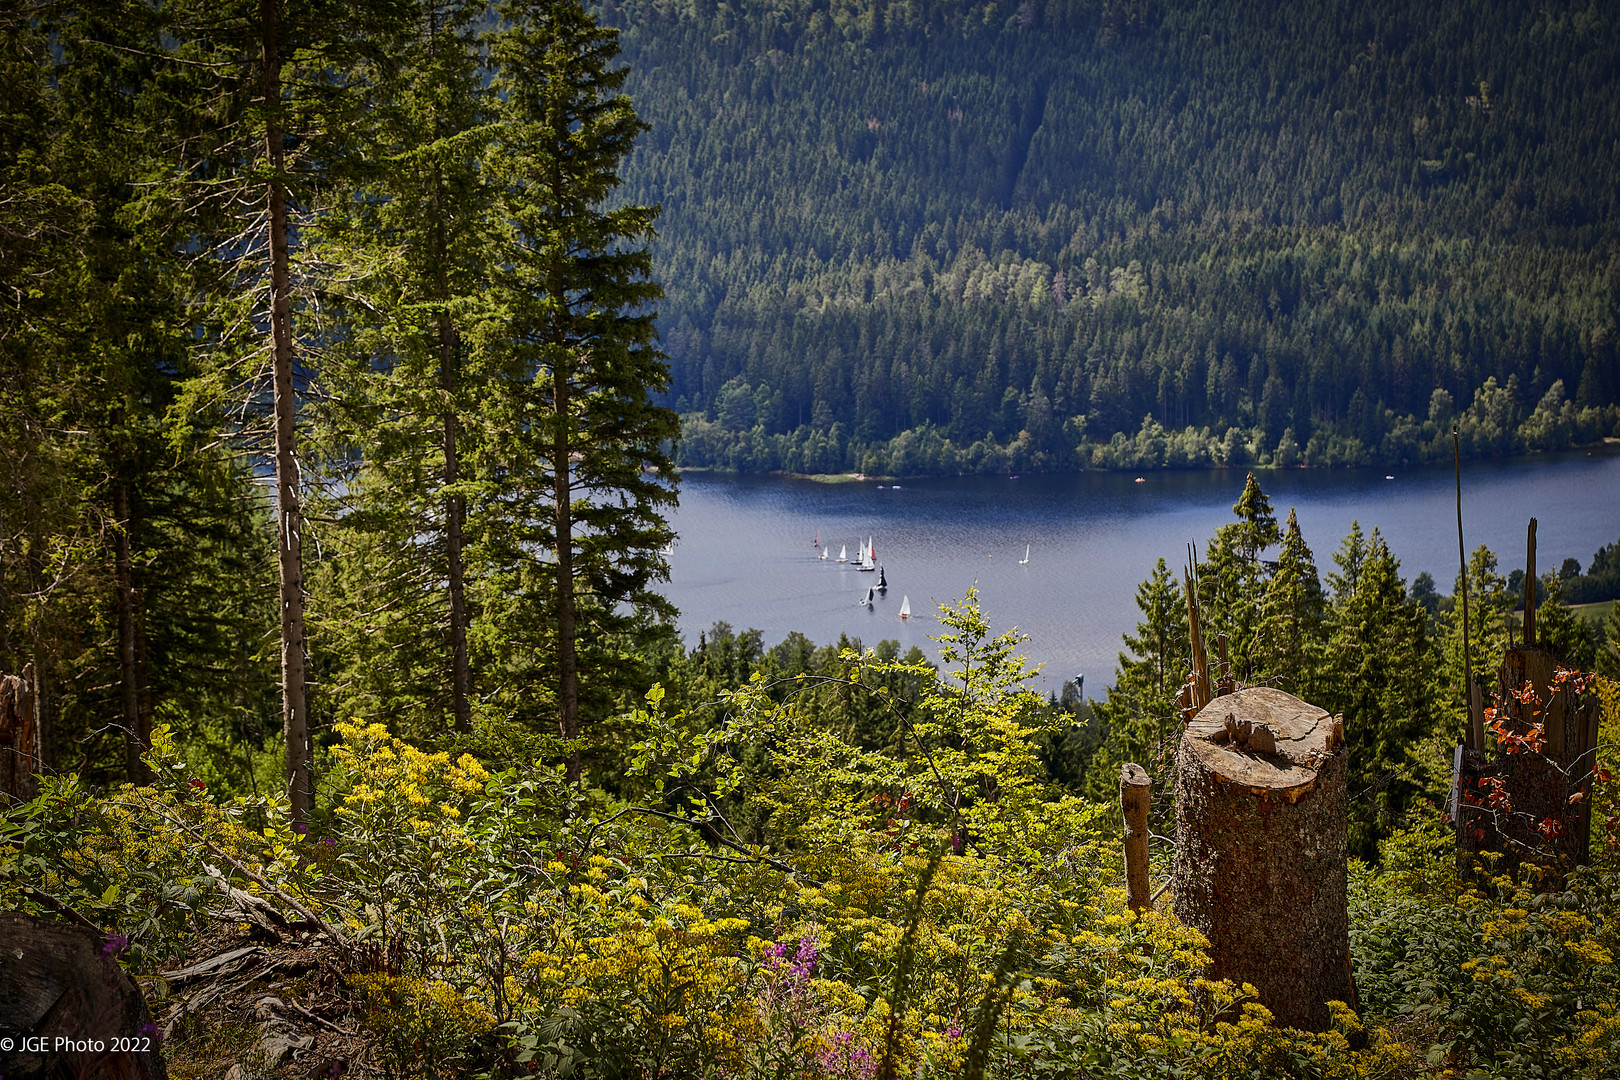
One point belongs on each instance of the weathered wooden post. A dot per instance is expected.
(1261, 803)
(1135, 787)
(19, 736)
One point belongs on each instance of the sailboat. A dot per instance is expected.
(843, 553)
(866, 601)
(824, 553)
(883, 582)
(868, 556)
(905, 607)
(1025, 560)
(817, 542)
(668, 550)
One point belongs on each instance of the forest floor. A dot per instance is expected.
(273, 1009)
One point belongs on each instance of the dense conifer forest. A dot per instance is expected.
(947, 237)
(341, 713)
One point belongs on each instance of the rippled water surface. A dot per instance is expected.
(745, 553)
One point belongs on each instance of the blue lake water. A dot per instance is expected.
(745, 553)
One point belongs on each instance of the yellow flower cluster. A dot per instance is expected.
(392, 782)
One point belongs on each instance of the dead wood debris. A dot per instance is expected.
(279, 985)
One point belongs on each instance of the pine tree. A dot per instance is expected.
(147, 599)
(1380, 654)
(1258, 528)
(1563, 632)
(1292, 626)
(407, 250)
(254, 105)
(575, 287)
(1491, 608)
(1140, 707)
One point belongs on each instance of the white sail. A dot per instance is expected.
(843, 553)
(825, 552)
(905, 607)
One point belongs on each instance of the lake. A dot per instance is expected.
(745, 552)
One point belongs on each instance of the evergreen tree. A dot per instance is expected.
(1563, 632)
(132, 559)
(1231, 581)
(1293, 622)
(1140, 709)
(254, 100)
(1490, 618)
(1258, 528)
(1380, 656)
(408, 252)
(575, 287)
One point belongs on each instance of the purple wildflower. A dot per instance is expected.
(117, 945)
(953, 1032)
(804, 961)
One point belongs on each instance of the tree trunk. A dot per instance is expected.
(1261, 814)
(19, 736)
(137, 725)
(294, 716)
(1135, 787)
(567, 663)
(455, 509)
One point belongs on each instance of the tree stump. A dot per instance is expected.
(1261, 814)
(1518, 802)
(56, 983)
(19, 741)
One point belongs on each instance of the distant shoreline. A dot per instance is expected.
(1608, 442)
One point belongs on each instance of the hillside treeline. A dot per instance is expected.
(954, 236)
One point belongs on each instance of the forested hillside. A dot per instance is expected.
(912, 237)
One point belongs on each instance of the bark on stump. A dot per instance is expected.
(55, 983)
(1261, 802)
(1518, 802)
(19, 739)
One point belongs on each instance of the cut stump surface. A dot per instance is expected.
(1261, 799)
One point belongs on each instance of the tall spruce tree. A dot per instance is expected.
(1292, 615)
(1140, 707)
(575, 287)
(1231, 580)
(255, 100)
(129, 565)
(1380, 653)
(407, 253)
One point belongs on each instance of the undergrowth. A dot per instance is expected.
(927, 911)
